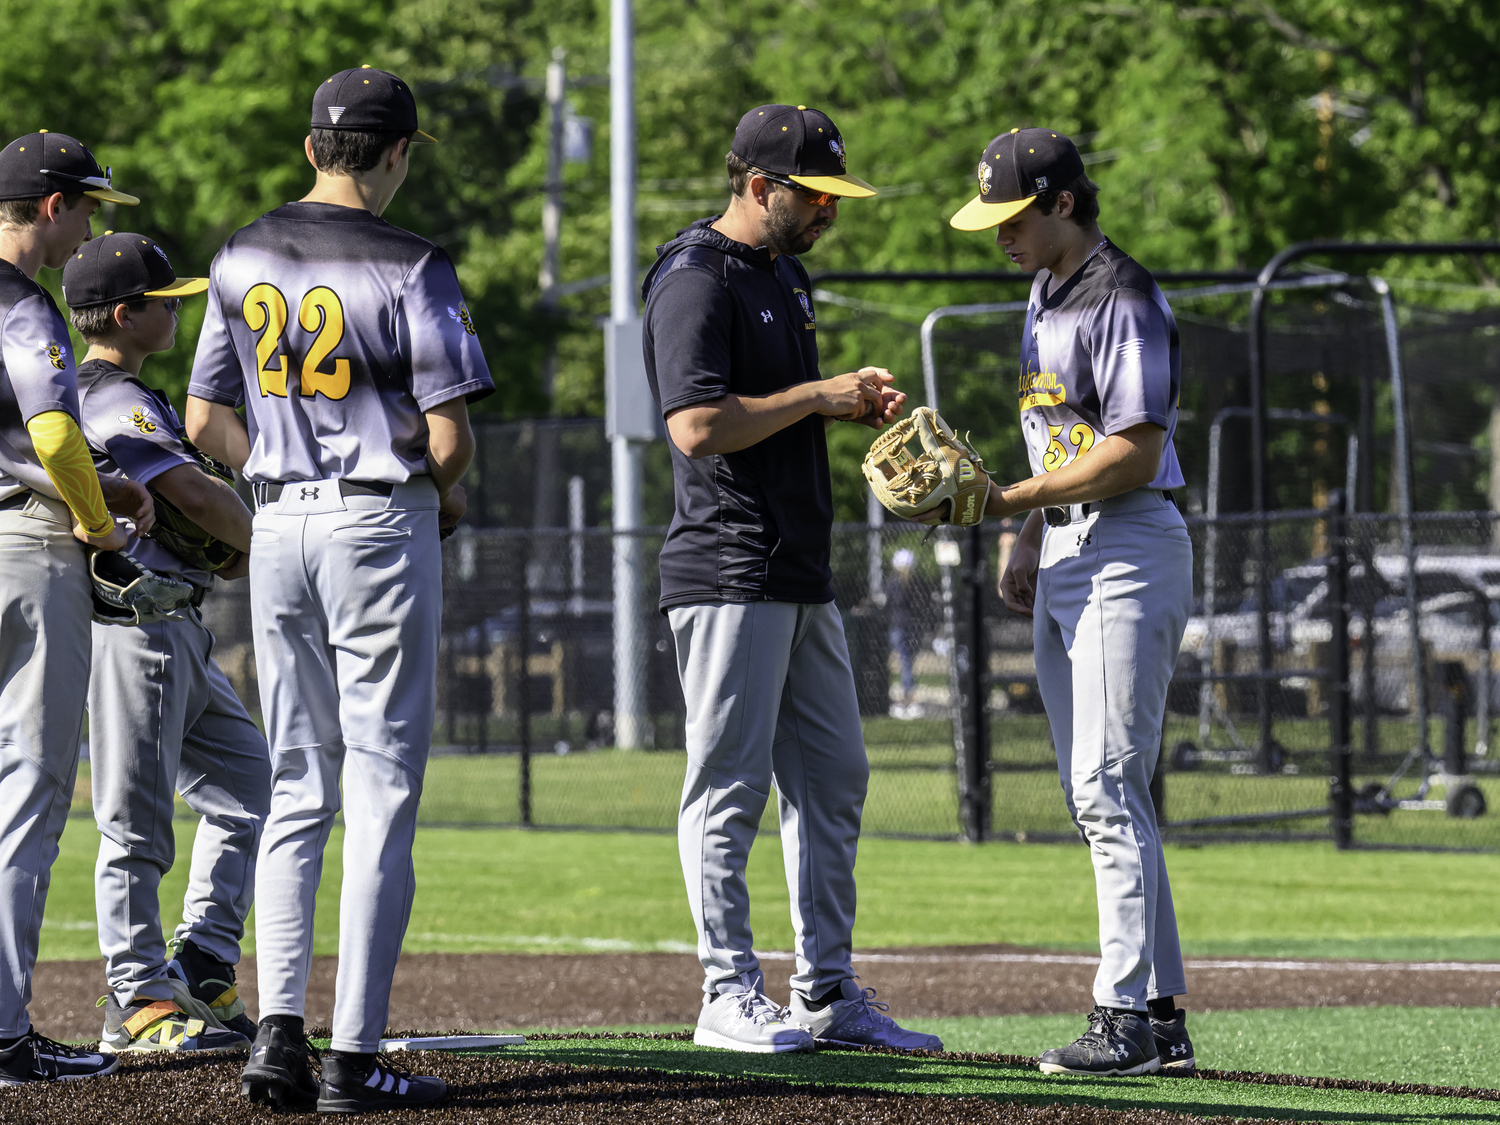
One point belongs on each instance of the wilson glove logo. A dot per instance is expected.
(965, 471)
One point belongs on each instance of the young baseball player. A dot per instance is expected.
(1103, 563)
(349, 344)
(731, 354)
(162, 716)
(52, 503)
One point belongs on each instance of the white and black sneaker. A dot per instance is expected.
(1173, 1044)
(346, 1089)
(35, 1058)
(1116, 1043)
(749, 1021)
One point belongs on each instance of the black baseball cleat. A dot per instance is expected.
(1116, 1043)
(35, 1058)
(347, 1089)
(280, 1072)
(204, 987)
(1173, 1044)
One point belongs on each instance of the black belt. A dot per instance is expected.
(269, 491)
(199, 594)
(16, 501)
(1061, 517)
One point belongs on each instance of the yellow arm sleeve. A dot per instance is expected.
(65, 456)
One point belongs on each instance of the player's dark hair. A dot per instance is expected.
(24, 212)
(343, 152)
(1085, 200)
(96, 322)
(739, 174)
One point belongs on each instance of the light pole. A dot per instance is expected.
(630, 417)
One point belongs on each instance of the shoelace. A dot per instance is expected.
(757, 1007)
(867, 1002)
(1103, 1023)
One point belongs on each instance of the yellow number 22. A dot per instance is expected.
(322, 313)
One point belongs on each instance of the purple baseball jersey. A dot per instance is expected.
(336, 331)
(37, 374)
(1099, 354)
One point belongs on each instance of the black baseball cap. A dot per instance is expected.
(367, 100)
(121, 266)
(1015, 168)
(41, 163)
(799, 143)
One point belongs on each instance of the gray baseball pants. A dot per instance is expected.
(770, 700)
(162, 716)
(347, 597)
(1113, 597)
(44, 674)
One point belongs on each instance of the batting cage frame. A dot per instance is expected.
(1336, 631)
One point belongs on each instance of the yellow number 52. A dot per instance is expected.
(1080, 438)
(321, 313)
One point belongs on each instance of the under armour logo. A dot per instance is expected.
(310, 493)
(765, 316)
(1084, 538)
(1179, 1048)
(1120, 1052)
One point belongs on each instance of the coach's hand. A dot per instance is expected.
(860, 396)
(1018, 582)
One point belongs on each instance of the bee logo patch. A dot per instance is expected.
(140, 418)
(985, 174)
(57, 354)
(837, 145)
(461, 314)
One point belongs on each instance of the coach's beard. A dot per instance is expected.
(786, 234)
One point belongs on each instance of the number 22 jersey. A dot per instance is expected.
(336, 331)
(1099, 354)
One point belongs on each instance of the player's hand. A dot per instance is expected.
(451, 509)
(237, 569)
(130, 499)
(114, 540)
(1018, 582)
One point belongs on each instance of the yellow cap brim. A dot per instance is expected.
(182, 287)
(421, 138)
(851, 187)
(978, 214)
(110, 195)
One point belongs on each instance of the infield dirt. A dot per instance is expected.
(510, 990)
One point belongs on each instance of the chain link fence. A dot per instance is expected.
(957, 737)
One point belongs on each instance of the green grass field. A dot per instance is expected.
(509, 889)
(954, 1077)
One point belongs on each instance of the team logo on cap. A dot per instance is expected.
(163, 254)
(985, 172)
(140, 418)
(461, 314)
(57, 354)
(335, 112)
(837, 145)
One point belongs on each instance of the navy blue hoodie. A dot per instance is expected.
(755, 525)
